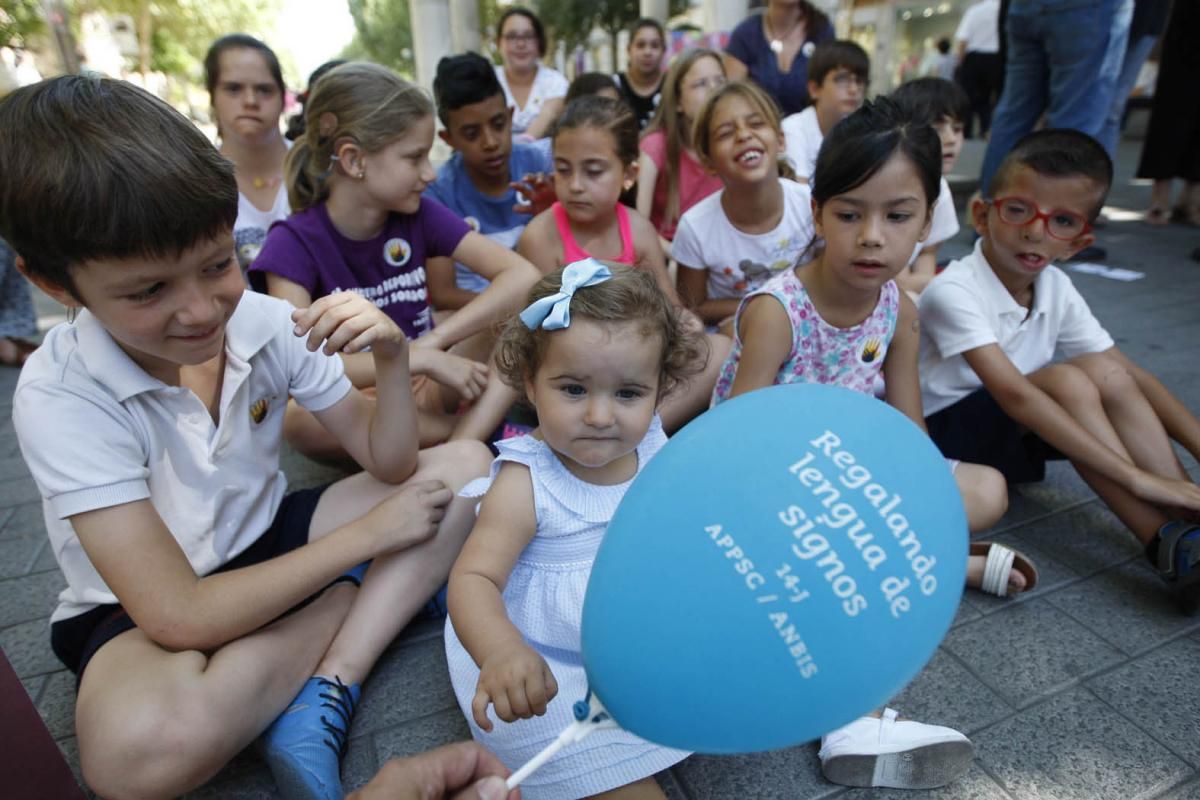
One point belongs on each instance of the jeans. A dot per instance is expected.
(1064, 57)
(1135, 55)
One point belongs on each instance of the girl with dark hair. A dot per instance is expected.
(245, 86)
(533, 90)
(642, 81)
(840, 319)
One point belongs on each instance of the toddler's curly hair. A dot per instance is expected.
(630, 295)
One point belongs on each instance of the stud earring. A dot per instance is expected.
(72, 313)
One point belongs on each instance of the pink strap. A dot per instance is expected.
(573, 252)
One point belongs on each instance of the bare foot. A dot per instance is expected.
(975, 564)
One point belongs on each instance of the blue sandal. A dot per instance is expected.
(1179, 563)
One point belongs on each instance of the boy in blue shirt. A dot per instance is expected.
(202, 597)
(477, 183)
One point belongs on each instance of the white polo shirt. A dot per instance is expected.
(980, 27)
(943, 225)
(967, 307)
(802, 139)
(97, 431)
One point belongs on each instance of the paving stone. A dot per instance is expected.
(408, 682)
(57, 704)
(1074, 747)
(1086, 540)
(975, 785)
(27, 647)
(1028, 651)
(777, 775)
(1127, 606)
(1189, 791)
(965, 613)
(45, 560)
(945, 693)
(360, 764)
(416, 735)
(12, 468)
(245, 778)
(17, 555)
(25, 520)
(671, 786)
(19, 490)
(1159, 692)
(29, 597)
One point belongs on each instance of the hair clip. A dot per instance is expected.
(553, 312)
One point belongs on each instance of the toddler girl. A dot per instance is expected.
(595, 150)
(355, 180)
(841, 319)
(671, 178)
(593, 353)
(759, 225)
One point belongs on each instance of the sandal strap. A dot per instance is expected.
(996, 570)
(1178, 538)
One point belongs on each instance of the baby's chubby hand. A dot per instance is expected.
(517, 681)
(349, 323)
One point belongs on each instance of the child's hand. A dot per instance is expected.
(464, 375)
(408, 517)
(517, 681)
(537, 189)
(349, 323)
(1167, 491)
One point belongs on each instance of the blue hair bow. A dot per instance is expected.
(553, 312)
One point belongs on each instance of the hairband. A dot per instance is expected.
(553, 312)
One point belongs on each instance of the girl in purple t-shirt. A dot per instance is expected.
(360, 224)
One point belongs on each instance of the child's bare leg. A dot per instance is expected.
(985, 498)
(645, 789)
(1132, 416)
(689, 400)
(397, 585)
(155, 723)
(1074, 390)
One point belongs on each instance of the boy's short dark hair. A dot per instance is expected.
(464, 80)
(838, 54)
(1058, 153)
(98, 168)
(930, 100)
(588, 84)
(943, 45)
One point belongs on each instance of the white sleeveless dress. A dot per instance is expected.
(544, 598)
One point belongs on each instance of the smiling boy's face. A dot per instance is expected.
(482, 132)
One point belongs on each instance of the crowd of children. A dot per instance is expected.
(404, 310)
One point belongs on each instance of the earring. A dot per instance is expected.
(361, 175)
(72, 313)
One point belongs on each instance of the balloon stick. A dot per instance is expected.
(590, 715)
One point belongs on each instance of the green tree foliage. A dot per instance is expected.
(20, 20)
(173, 35)
(570, 21)
(383, 34)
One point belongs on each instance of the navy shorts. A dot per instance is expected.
(76, 639)
(976, 430)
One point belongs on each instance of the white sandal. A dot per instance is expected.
(1001, 561)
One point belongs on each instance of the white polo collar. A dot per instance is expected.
(247, 332)
(1002, 300)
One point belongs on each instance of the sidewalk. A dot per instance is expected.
(1084, 689)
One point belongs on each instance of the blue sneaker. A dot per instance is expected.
(1178, 563)
(305, 745)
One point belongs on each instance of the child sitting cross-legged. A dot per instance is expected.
(991, 324)
(201, 596)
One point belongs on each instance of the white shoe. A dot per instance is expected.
(899, 754)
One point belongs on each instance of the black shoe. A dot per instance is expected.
(1093, 253)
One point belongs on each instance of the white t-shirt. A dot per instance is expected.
(97, 431)
(250, 228)
(547, 84)
(944, 224)
(737, 262)
(980, 27)
(967, 307)
(802, 138)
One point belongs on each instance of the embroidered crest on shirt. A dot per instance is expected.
(397, 252)
(258, 411)
(870, 350)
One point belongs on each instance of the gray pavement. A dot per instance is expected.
(1085, 688)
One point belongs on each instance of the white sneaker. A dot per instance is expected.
(899, 754)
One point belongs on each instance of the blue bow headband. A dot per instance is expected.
(553, 312)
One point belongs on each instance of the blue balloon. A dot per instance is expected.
(785, 564)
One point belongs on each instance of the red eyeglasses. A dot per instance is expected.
(1060, 224)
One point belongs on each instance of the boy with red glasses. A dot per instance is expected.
(991, 325)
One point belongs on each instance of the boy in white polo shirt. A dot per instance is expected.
(838, 73)
(200, 597)
(990, 325)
